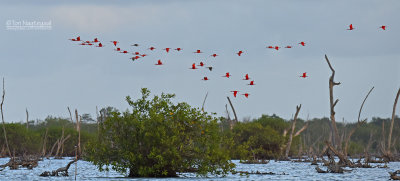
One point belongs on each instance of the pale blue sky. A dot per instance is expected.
(45, 72)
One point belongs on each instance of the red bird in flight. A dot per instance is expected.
(246, 77)
(115, 42)
(214, 55)
(288, 46)
(251, 83)
(277, 48)
(193, 66)
(351, 27)
(198, 51)
(100, 45)
(159, 63)
(205, 78)
(76, 39)
(234, 93)
(302, 43)
(271, 47)
(135, 57)
(178, 49)
(95, 40)
(143, 55)
(152, 48)
(239, 53)
(137, 53)
(246, 95)
(118, 49)
(166, 49)
(124, 51)
(383, 27)
(304, 75)
(227, 75)
(201, 64)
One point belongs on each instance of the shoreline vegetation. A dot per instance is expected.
(160, 138)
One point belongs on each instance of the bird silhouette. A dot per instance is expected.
(246, 95)
(124, 51)
(304, 75)
(95, 40)
(135, 58)
(201, 64)
(351, 27)
(239, 53)
(227, 75)
(159, 63)
(100, 45)
(251, 83)
(214, 55)
(193, 66)
(209, 68)
(246, 77)
(234, 93)
(83, 43)
(276, 48)
(136, 45)
(198, 51)
(383, 27)
(167, 49)
(302, 43)
(270, 47)
(117, 49)
(136, 53)
(205, 78)
(178, 49)
(143, 55)
(115, 42)
(288, 46)
(76, 39)
(152, 48)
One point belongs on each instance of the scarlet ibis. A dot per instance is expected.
(234, 93)
(246, 95)
(100, 45)
(246, 77)
(304, 75)
(159, 63)
(135, 57)
(198, 51)
(351, 27)
(271, 47)
(288, 46)
(178, 49)
(95, 40)
(137, 53)
(239, 53)
(143, 55)
(123, 51)
(115, 42)
(90, 44)
(302, 43)
(76, 39)
(205, 78)
(136, 45)
(166, 49)
(152, 48)
(276, 48)
(209, 68)
(118, 49)
(86, 41)
(383, 27)
(251, 83)
(227, 75)
(83, 43)
(201, 64)
(193, 66)
(214, 55)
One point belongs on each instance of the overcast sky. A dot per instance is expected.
(45, 72)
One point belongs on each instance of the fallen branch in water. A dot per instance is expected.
(63, 171)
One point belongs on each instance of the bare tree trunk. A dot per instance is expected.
(359, 123)
(383, 147)
(332, 83)
(2, 118)
(79, 131)
(97, 118)
(27, 118)
(70, 116)
(392, 122)
(204, 101)
(292, 132)
(44, 143)
(233, 109)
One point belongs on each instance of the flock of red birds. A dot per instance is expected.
(137, 55)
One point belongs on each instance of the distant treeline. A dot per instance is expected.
(257, 139)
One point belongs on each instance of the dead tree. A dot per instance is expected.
(44, 143)
(292, 132)
(27, 118)
(233, 109)
(78, 128)
(204, 101)
(388, 152)
(332, 83)
(63, 171)
(359, 123)
(2, 118)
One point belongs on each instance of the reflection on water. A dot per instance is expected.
(284, 171)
